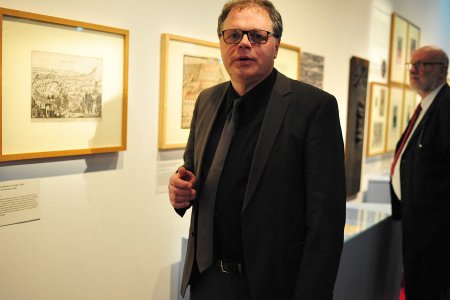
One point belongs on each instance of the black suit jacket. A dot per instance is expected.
(294, 208)
(425, 204)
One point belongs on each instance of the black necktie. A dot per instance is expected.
(206, 205)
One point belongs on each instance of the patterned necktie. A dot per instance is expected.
(406, 136)
(207, 199)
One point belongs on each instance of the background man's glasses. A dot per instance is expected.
(255, 36)
(421, 65)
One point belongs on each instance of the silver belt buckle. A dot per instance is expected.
(222, 269)
(233, 268)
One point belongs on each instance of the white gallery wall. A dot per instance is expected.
(107, 230)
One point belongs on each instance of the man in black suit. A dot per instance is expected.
(278, 215)
(420, 181)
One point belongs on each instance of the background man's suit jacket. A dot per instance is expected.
(425, 188)
(294, 208)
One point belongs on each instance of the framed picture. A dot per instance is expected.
(410, 101)
(398, 49)
(288, 61)
(412, 44)
(393, 130)
(378, 109)
(311, 70)
(63, 87)
(379, 57)
(188, 66)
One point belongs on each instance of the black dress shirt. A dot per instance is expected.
(233, 182)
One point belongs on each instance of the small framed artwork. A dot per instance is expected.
(398, 49)
(188, 66)
(288, 61)
(410, 101)
(380, 29)
(311, 70)
(378, 107)
(412, 44)
(393, 130)
(63, 87)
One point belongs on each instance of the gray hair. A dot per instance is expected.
(275, 17)
(437, 52)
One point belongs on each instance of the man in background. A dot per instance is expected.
(420, 180)
(268, 208)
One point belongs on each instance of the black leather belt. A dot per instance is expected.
(230, 268)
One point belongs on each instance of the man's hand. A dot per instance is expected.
(181, 188)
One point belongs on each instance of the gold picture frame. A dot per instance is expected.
(188, 66)
(410, 101)
(64, 87)
(178, 89)
(398, 49)
(378, 108)
(413, 43)
(405, 38)
(393, 129)
(288, 60)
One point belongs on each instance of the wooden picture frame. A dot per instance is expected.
(180, 87)
(413, 43)
(64, 87)
(398, 49)
(410, 101)
(393, 129)
(378, 110)
(288, 61)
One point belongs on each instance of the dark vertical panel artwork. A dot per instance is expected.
(359, 69)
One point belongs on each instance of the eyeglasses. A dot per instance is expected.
(421, 65)
(255, 36)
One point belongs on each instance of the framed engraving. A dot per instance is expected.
(412, 44)
(398, 49)
(410, 101)
(393, 131)
(188, 66)
(63, 88)
(378, 108)
(288, 60)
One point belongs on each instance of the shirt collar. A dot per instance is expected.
(257, 96)
(426, 102)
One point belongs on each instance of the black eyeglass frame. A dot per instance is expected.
(249, 35)
(422, 64)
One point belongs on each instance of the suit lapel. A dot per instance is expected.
(426, 117)
(206, 123)
(273, 119)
